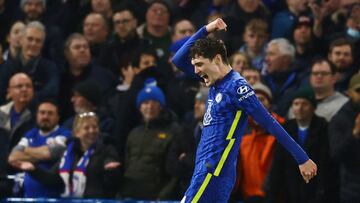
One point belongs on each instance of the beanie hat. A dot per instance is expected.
(23, 2)
(90, 90)
(263, 89)
(303, 20)
(150, 92)
(306, 93)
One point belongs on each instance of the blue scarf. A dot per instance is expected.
(76, 186)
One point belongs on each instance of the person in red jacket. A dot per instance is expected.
(256, 153)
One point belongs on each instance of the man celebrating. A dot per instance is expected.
(229, 103)
(42, 146)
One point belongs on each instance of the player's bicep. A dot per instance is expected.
(245, 98)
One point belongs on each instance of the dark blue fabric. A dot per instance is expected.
(14, 117)
(302, 136)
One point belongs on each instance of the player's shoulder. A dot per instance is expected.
(238, 85)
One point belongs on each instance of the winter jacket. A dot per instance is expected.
(285, 183)
(146, 152)
(345, 149)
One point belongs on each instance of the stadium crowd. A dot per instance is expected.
(91, 106)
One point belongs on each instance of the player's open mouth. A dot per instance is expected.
(204, 76)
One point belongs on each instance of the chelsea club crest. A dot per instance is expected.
(218, 98)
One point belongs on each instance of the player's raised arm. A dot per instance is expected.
(182, 58)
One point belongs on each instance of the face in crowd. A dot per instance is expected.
(47, 116)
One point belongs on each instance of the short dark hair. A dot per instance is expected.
(145, 51)
(50, 101)
(340, 42)
(124, 7)
(209, 48)
(322, 60)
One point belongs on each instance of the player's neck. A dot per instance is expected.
(224, 70)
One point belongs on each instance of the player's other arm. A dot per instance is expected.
(251, 105)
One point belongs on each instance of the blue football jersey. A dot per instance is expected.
(229, 103)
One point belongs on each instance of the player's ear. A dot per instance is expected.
(217, 59)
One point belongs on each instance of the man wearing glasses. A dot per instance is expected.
(124, 44)
(322, 80)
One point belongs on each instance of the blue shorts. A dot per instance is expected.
(209, 188)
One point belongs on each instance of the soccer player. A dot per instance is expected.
(230, 101)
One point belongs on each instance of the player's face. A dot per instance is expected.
(207, 69)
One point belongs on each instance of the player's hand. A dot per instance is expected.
(308, 170)
(216, 25)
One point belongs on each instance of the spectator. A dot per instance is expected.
(147, 147)
(204, 9)
(307, 47)
(256, 153)
(344, 143)
(281, 78)
(180, 86)
(322, 80)
(183, 149)
(88, 168)
(182, 28)
(124, 44)
(251, 75)
(15, 120)
(255, 37)
(44, 73)
(80, 68)
(237, 15)
(157, 27)
(284, 21)
(87, 98)
(284, 183)
(16, 116)
(103, 7)
(34, 10)
(14, 40)
(96, 30)
(239, 62)
(341, 54)
(42, 146)
(124, 104)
